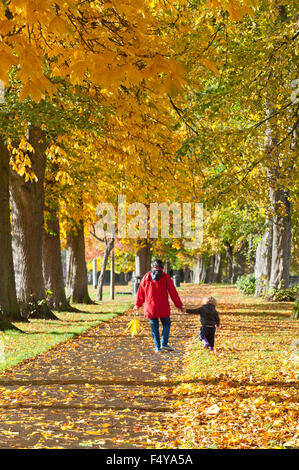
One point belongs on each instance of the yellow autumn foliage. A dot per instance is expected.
(134, 326)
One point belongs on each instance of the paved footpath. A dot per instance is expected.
(102, 389)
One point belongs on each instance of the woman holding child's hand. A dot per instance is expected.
(153, 292)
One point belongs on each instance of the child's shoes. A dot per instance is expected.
(205, 343)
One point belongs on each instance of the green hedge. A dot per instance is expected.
(284, 295)
(246, 284)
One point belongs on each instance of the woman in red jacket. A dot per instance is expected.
(153, 293)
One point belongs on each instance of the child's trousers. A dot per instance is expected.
(208, 332)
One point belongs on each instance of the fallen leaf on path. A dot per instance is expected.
(213, 410)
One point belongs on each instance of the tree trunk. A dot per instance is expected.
(9, 309)
(280, 205)
(109, 246)
(94, 274)
(196, 278)
(262, 270)
(187, 274)
(281, 245)
(167, 267)
(229, 257)
(278, 190)
(27, 202)
(112, 275)
(201, 271)
(206, 269)
(76, 280)
(52, 265)
(236, 263)
(217, 277)
(143, 261)
(295, 313)
(239, 266)
(210, 272)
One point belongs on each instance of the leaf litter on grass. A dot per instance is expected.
(244, 395)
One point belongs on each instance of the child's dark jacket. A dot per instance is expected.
(208, 315)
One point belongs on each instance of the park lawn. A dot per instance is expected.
(39, 336)
(244, 395)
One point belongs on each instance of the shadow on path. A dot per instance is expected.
(103, 389)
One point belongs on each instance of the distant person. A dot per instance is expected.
(153, 293)
(209, 318)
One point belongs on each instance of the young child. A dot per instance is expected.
(209, 319)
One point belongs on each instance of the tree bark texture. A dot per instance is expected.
(9, 309)
(52, 265)
(112, 276)
(201, 270)
(108, 247)
(229, 258)
(262, 270)
(208, 269)
(27, 202)
(281, 208)
(217, 275)
(295, 313)
(76, 280)
(143, 260)
(281, 244)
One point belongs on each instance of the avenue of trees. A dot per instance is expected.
(160, 100)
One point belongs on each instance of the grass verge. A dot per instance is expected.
(245, 394)
(39, 336)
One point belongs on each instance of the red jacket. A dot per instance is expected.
(154, 296)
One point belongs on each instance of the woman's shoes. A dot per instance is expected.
(167, 348)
